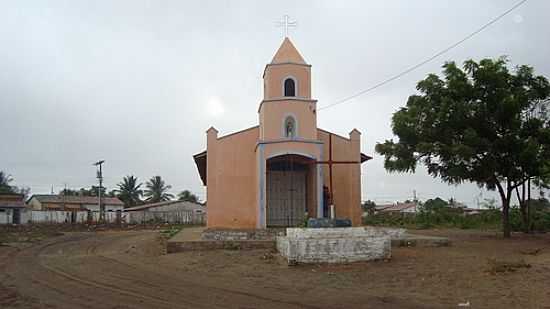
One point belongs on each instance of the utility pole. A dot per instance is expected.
(64, 193)
(100, 178)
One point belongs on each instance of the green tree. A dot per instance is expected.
(434, 204)
(5, 183)
(471, 126)
(157, 191)
(187, 196)
(369, 207)
(70, 192)
(92, 191)
(112, 193)
(25, 191)
(6, 187)
(129, 191)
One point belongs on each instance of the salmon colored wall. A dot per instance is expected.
(231, 170)
(291, 147)
(273, 114)
(233, 184)
(276, 74)
(346, 178)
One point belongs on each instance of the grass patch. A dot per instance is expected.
(487, 219)
(171, 230)
(496, 266)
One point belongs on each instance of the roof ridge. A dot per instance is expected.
(287, 52)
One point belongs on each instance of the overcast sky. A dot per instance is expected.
(137, 83)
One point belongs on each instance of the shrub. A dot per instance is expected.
(447, 217)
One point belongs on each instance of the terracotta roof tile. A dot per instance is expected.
(12, 201)
(48, 198)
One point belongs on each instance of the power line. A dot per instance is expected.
(414, 67)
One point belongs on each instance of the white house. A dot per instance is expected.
(169, 206)
(12, 207)
(62, 202)
(397, 208)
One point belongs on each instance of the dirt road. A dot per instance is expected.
(129, 270)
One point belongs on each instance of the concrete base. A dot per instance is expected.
(410, 240)
(200, 238)
(241, 234)
(332, 245)
(202, 245)
(326, 222)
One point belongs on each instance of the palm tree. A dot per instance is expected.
(157, 190)
(5, 181)
(187, 196)
(129, 191)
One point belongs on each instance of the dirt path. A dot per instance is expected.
(128, 270)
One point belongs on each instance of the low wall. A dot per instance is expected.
(58, 216)
(6, 217)
(241, 235)
(181, 216)
(201, 245)
(333, 245)
(393, 233)
(369, 231)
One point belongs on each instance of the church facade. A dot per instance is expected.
(285, 169)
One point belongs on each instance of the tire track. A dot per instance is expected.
(43, 266)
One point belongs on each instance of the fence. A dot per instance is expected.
(176, 216)
(6, 216)
(59, 216)
(132, 217)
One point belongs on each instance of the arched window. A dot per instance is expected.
(290, 88)
(290, 127)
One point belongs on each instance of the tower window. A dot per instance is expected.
(290, 127)
(290, 88)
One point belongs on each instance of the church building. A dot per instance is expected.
(284, 170)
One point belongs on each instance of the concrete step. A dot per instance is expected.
(410, 240)
(202, 245)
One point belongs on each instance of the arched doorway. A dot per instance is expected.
(290, 189)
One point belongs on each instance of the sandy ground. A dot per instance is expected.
(128, 269)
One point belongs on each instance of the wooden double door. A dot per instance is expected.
(286, 197)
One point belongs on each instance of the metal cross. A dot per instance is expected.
(286, 23)
(330, 163)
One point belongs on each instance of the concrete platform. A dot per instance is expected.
(188, 234)
(333, 245)
(189, 239)
(413, 240)
(192, 239)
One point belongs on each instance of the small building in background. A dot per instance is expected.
(12, 206)
(411, 207)
(73, 203)
(168, 206)
(167, 212)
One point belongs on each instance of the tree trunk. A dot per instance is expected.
(523, 208)
(529, 205)
(505, 198)
(506, 219)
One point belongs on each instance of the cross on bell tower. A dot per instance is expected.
(285, 23)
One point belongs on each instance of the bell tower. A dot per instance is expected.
(287, 110)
